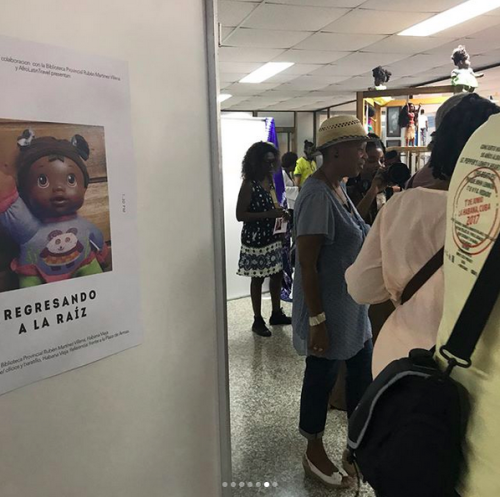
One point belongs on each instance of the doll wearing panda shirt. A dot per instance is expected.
(55, 243)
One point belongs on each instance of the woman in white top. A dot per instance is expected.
(288, 162)
(407, 233)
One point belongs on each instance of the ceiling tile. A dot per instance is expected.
(434, 6)
(375, 22)
(489, 34)
(290, 17)
(238, 67)
(301, 69)
(309, 56)
(475, 46)
(406, 44)
(225, 33)
(338, 42)
(358, 63)
(250, 89)
(472, 27)
(492, 57)
(282, 78)
(284, 94)
(265, 38)
(230, 77)
(357, 83)
(322, 3)
(416, 64)
(246, 54)
(232, 101)
(306, 83)
(232, 13)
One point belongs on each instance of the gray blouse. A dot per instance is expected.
(318, 211)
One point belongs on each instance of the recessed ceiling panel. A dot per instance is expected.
(358, 63)
(309, 56)
(375, 22)
(232, 13)
(432, 6)
(472, 27)
(407, 44)
(266, 38)
(337, 42)
(246, 54)
(322, 3)
(290, 17)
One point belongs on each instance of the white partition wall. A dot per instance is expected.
(238, 134)
(144, 422)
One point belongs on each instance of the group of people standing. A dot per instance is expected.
(343, 265)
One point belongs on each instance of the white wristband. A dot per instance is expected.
(317, 320)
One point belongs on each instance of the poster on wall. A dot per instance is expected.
(69, 283)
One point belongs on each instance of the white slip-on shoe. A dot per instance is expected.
(339, 479)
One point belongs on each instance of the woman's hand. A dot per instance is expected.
(276, 213)
(380, 182)
(318, 340)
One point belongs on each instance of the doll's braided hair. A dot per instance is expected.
(459, 55)
(382, 74)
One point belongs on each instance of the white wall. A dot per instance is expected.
(144, 422)
(305, 129)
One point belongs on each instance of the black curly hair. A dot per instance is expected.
(289, 160)
(253, 166)
(383, 75)
(459, 55)
(458, 125)
(375, 142)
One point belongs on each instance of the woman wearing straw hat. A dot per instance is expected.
(329, 327)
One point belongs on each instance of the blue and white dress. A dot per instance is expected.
(261, 250)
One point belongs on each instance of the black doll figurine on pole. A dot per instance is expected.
(381, 76)
(463, 75)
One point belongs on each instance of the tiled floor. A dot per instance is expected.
(265, 382)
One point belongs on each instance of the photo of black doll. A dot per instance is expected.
(54, 213)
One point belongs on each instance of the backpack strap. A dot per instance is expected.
(424, 275)
(475, 313)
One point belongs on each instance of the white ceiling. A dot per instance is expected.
(336, 43)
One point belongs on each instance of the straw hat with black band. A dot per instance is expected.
(340, 129)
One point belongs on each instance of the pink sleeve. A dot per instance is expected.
(365, 278)
(7, 200)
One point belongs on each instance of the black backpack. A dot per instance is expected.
(406, 434)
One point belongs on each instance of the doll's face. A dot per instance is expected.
(55, 187)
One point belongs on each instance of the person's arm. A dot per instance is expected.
(379, 184)
(244, 201)
(365, 279)
(291, 191)
(297, 174)
(15, 217)
(309, 248)
(366, 202)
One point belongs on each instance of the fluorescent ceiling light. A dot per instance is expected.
(223, 97)
(457, 15)
(266, 71)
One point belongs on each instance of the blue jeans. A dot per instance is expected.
(319, 380)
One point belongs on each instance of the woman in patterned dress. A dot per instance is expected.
(261, 249)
